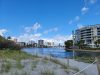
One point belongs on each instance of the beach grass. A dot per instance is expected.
(17, 62)
(47, 72)
(15, 55)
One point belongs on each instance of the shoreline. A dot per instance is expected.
(77, 65)
(82, 50)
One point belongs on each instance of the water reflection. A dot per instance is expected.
(90, 54)
(55, 52)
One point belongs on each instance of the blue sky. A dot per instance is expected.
(46, 19)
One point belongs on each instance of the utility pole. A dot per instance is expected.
(73, 37)
(73, 54)
(68, 63)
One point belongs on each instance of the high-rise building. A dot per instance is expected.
(31, 42)
(21, 44)
(40, 43)
(49, 43)
(89, 34)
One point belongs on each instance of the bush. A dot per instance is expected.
(8, 44)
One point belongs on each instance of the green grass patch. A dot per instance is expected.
(47, 72)
(63, 65)
(34, 64)
(5, 66)
(15, 55)
(85, 59)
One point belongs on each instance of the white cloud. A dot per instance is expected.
(80, 26)
(87, 2)
(76, 19)
(84, 10)
(34, 28)
(51, 30)
(28, 29)
(62, 38)
(35, 37)
(28, 37)
(87, 5)
(93, 1)
(2, 31)
(59, 39)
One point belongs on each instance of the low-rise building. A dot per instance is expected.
(21, 44)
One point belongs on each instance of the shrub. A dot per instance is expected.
(8, 44)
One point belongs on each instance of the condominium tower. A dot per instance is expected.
(40, 43)
(89, 34)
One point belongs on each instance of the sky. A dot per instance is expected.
(46, 19)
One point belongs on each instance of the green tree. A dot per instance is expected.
(8, 44)
(97, 42)
(2, 39)
(9, 37)
(80, 44)
(68, 43)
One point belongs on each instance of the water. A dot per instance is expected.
(55, 52)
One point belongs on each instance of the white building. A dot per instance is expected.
(89, 34)
(31, 42)
(21, 43)
(49, 44)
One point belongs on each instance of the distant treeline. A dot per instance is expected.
(8, 44)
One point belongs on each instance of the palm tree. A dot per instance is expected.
(80, 43)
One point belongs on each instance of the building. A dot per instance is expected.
(21, 44)
(12, 39)
(50, 44)
(31, 42)
(35, 45)
(40, 43)
(15, 40)
(89, 34)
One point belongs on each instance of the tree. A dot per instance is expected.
(80, 44)
(8, 44)
(9, 37)
(68, 43)
(2, 39)
(97, 42)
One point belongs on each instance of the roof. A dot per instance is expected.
(89, 26)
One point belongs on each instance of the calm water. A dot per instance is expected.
(55, 52)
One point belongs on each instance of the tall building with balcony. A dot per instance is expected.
(40, 43)
(89, 34)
